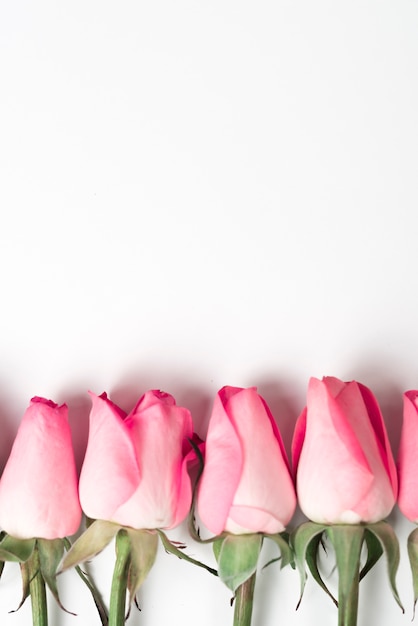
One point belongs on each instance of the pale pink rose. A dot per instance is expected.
(341, 454)
(38, 488)
(135, 469)
(246, 485)
(408, 458)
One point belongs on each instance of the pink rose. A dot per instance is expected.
(38, 489)
(345, 469)
(408, 458)
(246, 485)
(134, 472)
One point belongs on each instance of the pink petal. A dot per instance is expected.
(223, 466)
(382, 438)
(110, 472)
(298, 439)
(244, 519)
(408, 458)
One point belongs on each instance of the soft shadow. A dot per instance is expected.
(10, 418)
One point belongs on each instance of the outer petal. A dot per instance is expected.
(298, 439)
(376, 420)
(159, 430)
(38, 489)
(264, 500)
(408, 458)
(223, 467)
(110, 472)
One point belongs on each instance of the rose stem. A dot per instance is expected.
(347, 541)
(117, 604)
(244, 602)
(37, 591)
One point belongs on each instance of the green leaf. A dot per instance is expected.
(374, 552)
(173, 549)
(413, 561)
(237, 557)
(300, 540)
(91, 542)
(50, 555)
(390, 545)
(16, 550)
(144, 546)
(282, 542)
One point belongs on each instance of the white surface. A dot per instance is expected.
(196, 194)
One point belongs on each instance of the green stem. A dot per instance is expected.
(244, 602)
(117, 606)
(347, 541)
(37, 591)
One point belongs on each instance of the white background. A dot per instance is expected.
(196, 194)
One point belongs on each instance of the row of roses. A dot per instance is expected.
(135, 468)
(135, 475)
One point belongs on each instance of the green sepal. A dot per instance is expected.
(282, 542)
(305, 541)
(390, 546)
(374, 552)
(97, 536)
(170, 547)
(16, 550)
(101, 609)
(24, 571)
(191, 519)
(143, 550)
(312, 557)
(50, 554)
(237, 557)
(413, 561)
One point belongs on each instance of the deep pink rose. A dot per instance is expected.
(341, 454)
(408, 458)
(135, 469)
(246, 485)
(38, 488)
